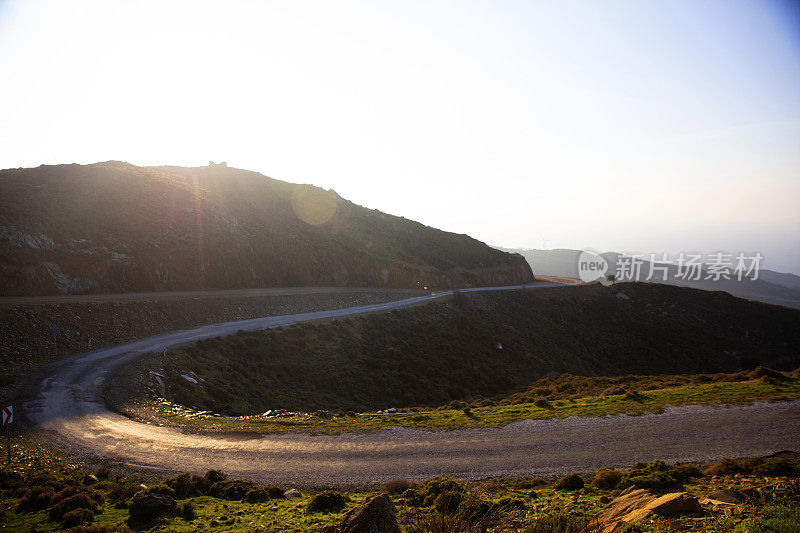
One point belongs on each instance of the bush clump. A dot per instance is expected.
(607, 478)
(724, 466)
(262, 494)
(433, 488)
(80, 500)
(326, 502)
(231, 490)
(188, 485)
(166, 490)
(770, 466)
(570, 482)
(215, 476)
(36, 499)
(77, 517)
(398, 486)
(187, 511)
(656, 475)
(447, 502)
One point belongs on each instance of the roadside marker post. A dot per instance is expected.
(8, 417)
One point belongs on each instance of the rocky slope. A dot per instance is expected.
(116, 227)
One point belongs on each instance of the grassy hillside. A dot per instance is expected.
(481, 344)
(115, 227)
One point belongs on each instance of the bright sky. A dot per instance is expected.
(618, 125)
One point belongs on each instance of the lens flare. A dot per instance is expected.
(313, 205)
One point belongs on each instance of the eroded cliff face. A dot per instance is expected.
(114, 227)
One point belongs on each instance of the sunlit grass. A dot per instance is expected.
(650, 401)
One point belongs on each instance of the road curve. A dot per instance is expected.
(68, 403)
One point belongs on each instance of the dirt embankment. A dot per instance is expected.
(29, 333)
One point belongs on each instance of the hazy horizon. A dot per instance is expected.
(626, 126)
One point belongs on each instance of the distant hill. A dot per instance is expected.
(771, 287)
(116, 227)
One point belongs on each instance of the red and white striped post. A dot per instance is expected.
(8, 417)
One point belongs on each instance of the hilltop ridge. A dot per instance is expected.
(117, 227)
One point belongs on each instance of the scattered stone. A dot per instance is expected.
(376, 515)
(292, 493)
(727, 496)
(149, 506)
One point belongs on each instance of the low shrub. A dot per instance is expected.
(473, 516)
(569, 482)
(613, 390)
(432, 488)
(326, 502)
(689, 470)
(187, 511)
(81, 500)
(724, 466)
(122, 491)
(770, 466)
(413, 497)
(507, 503)
(36, 499)
(448, 502)
(161, 489)
(607, 478)
(77, 517)
(257, 495)
(215, 476)
(656, 475)
(476, 508)
(231, 490)
(398, 486)
(188, 485)
(763, 372)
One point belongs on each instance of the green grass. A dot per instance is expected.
(505, 504)
(650, 401)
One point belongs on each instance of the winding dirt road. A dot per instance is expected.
(68, 404)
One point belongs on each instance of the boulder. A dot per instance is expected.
(634, 504)
(147, 507)
(376, 515)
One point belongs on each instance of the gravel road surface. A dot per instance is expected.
(68, 404)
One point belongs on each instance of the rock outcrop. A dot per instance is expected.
(634, 505)
(147, 507)
(376, 515)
